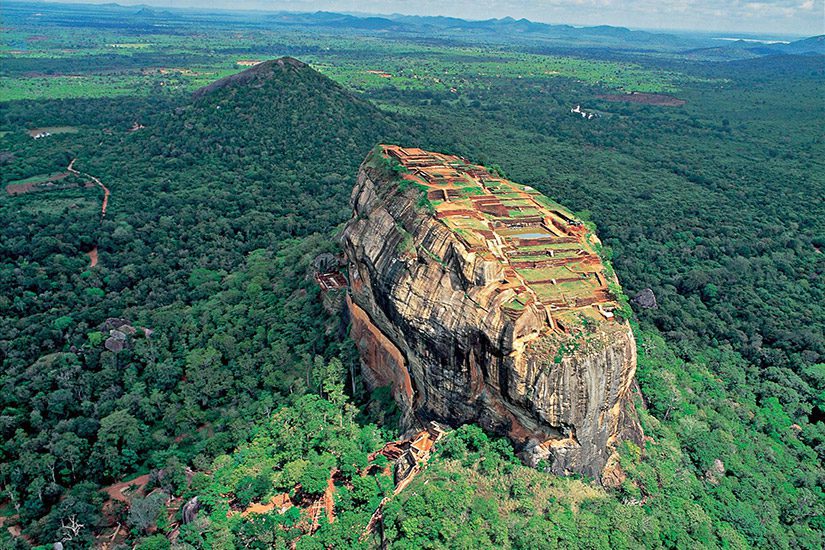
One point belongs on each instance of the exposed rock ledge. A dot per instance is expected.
(444, 316)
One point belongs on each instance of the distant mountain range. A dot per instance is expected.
(737, 49)
(814, 44)
(506, 30)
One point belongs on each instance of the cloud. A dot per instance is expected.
(765, 8)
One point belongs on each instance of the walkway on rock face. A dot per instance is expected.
(418, 449)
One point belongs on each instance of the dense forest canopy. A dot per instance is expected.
(208, 242)
(222, 201)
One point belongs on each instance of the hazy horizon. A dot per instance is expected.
(768, 17)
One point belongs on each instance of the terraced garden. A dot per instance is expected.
(548, 256)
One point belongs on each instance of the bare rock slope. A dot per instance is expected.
(480, 300)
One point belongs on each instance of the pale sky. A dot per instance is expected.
(797, 17)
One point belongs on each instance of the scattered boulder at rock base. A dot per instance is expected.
(645, 299)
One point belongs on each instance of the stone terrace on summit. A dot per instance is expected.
(548, 255)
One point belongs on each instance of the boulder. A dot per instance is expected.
(190, 510)
(715, 473)
(645, 299)
(324, 263)
(434, 319)
(113, 323)
(116, 341)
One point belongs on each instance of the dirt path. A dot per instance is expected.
(22, 188)
(93, 252)
(106, 192)
(280, 502)
(92, 257)
(115, 491)
(329, 500)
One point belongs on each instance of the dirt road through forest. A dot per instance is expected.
(106, 192)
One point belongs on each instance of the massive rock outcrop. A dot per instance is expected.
(480, 300)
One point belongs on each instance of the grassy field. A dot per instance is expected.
(58, 204)
(40, 178)
(55, 62)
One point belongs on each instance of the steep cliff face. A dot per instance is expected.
(479, 300)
